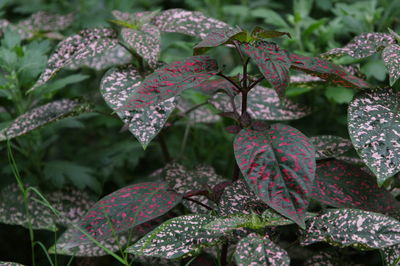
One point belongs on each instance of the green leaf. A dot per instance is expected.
(339, 95)
(272, 62)
(391, 255)
(263, 104)
(257, 250)
(145, 42)
(45, 21)
(170, 80)
(356, 228)
(177, 237)
(125, 208)
(342, 185)
(76, 48)
(374, 126)
(363, 45)
(260, 33)
(216, 38)
(270, 17)
(279, 166)
(144, 123)
(71, 204)
(61, 83)
(327, 146)
(192, 23)
(391, 58)
(40, 116)
(324, 258)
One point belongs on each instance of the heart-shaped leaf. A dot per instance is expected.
(146, 42)
(41, 116)
(263, 104)
(257, 250)
(356, 228)
(279, 166)
(391, 58)
(78, 47)
(126, 208)
(177, 237)
(346, 186)
(70, 203)
(374, 128)
(238, 198)
(327, 71)
(170, 80)
(363, 45)
(327, 146)
(192, 23)
(145, 123)
(272, 61)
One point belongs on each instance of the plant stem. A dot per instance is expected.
(199, 203)
(230, 80)
(224, 254)
(252, 85)
(244, 102)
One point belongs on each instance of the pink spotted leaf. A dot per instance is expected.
(76, 48)
(213, 86)
(257, 250)
(279, 166)
(263, 104)
(273, 63)
(145, 123)
(391, 255)
(40, 116)
(177, 237)
(391, 58)
(70, 203)
(325, 70)
(192, 23)
(374, 126)
(170, 80)
(145, 41)
(45, 21)
(216, 38)
(351, 227)
(342, 185)
(327, 146)
(126, 208)
(362, 46)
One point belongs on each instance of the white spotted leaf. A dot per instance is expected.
(144, 123)
(363, 45)
(351, 227)
(374, 127)
(391, 255)
(76, 48)
(41, 116)
(327, 146)
(177, 237)
(257, 250)
(391, 58)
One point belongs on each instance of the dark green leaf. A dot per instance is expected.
(391, 57)
(327, 146)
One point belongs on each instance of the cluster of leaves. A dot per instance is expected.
(279, 171)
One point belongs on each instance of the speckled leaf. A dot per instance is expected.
(374, 128)
(187, 22)
(215, 38)
(114, 56)
(45, 21)
(343, 185)
(210, 87)
(324, 259)
(146, 42)
(41, 116)
(306, 81)
(325, 70)
(71, 203)
(351, 227)
(263, 104)
(391, 255)
(126, 208)
(7, 263)
(327, 146)
(363, 45)
(238, 198)
(279, 166)
(116, 86)
(201, 178)
(272, 61)
(177, 237)
(391, 58)
(257, 250)
(201, 114)
(78, 47)
(168, 81)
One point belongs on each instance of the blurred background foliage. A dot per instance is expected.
(93, 151)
